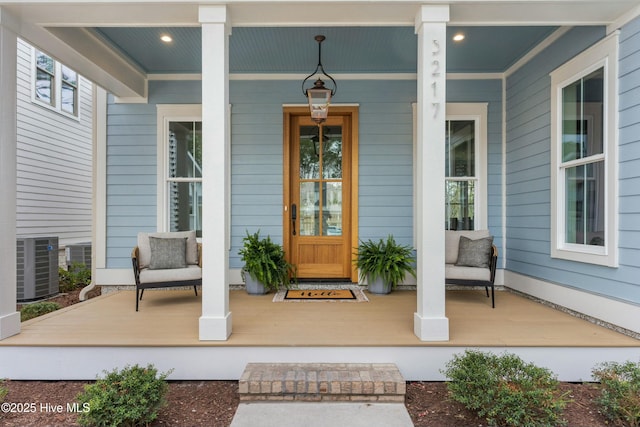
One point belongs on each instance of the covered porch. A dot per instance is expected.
(106, 332)
(216, 335)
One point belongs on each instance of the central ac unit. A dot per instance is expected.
(37, 267)
(79, 253)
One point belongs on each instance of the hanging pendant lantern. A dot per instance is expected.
(318, 95)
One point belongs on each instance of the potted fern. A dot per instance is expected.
(265, 266)
(384, 264)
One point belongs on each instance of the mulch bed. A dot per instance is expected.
(213, 404)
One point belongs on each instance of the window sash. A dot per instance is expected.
(63, 85)
(463, 163)
(582, 203)
(185, 189)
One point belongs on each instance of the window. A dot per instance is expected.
(465, 167)
(584, 133)
(69, 91)
(45, 78)
(55, 85)
(180, 168)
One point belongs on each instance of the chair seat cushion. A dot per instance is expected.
(452, 271)
(191, 272)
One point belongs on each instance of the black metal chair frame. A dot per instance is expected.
(140, 287)
(493, 261)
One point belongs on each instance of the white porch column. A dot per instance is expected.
(9, 317)
(215, 322)
(430, 322)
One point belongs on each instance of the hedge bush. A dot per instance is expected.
(76, 276)
(3, 392)
(129, 397)
(619, 392)
(29, 311)
(505, 390)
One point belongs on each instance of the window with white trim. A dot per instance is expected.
(55, 85)
(584, 145)
(180, 168)
(466, 167)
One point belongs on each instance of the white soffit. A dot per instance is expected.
(317, 12)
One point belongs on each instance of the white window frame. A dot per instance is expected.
(167, 113)
(56, 87)
(478, 112)
(602, 55)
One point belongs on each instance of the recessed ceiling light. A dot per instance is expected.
(166, 38)
(458, 37)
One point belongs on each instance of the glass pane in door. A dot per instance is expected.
(309, 209)
(309, 152)
(332, 152)
(320, 178)
(332, 209)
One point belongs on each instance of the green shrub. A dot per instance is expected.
(130, 397)
(78, 275)
(29, 311)
(619, 392)
(505, 390)
(3, 391)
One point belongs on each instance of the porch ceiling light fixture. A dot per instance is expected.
(319, 96)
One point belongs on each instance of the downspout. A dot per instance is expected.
(98, 173)
(504, 173)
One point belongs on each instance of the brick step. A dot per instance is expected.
(314, 382)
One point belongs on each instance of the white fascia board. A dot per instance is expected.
(270, 13)
(100, 13)
(538, 12)
(624, 19)
(90, 56)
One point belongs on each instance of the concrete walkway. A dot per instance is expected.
(323, 414)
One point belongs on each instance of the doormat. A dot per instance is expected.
(320, 295)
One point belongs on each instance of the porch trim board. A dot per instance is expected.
(618, 313)
(227, 363)
(9, 318)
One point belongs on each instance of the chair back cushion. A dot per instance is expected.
(474, 253)
(167, 253)
(144, 247)
(452, 241)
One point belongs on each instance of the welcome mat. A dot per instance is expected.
(320, 295)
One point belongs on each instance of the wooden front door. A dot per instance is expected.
(320, 215)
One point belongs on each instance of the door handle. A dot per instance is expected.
(294, 216)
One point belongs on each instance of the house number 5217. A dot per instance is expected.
(435, 74)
